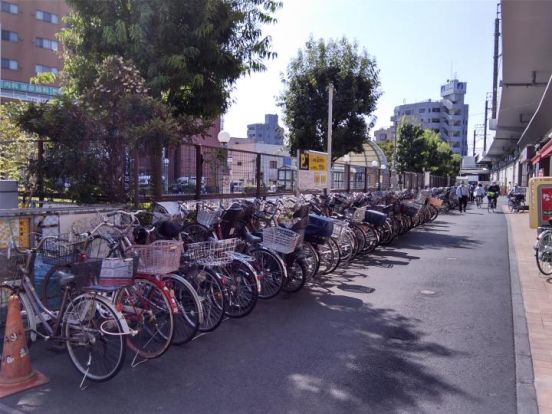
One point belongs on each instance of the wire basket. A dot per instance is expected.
(207, 217)
(436, 202)
(280, 239)
(160, 257)
(359, 214)
(213, 252)
(62, 250)
(338, 227)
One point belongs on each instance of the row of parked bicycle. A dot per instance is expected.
(145, 281)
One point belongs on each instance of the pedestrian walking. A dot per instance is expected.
(462, 192)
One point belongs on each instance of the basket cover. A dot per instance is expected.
(319, 226)
(377, 218)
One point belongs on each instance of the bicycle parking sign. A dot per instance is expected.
(313, 173)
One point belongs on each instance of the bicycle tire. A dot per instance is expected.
(189, 316)
(297, 275)
(195, 233)
(271, 271)
(139, 302)
(211, 295)
(101, 247)
(311, 259)
(240, 288)
(108, 321)
(329, 262)
(544, 267)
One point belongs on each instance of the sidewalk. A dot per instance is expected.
(537, 300)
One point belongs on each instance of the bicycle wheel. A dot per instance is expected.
(311, 259)
(543, 253)
(187, 320)
(360, 239)
(346, 243)
(95, 337)
(371, 238)
(147, 310)
(329, 256)
(297, 275)
(211, 296)
(240, 288)
(100, 247)
(195, 233)
(271, 271)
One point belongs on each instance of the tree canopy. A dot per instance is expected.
(421, 150)
(355, 78)
(190, 53)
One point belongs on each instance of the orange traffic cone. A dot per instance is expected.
(16, 373)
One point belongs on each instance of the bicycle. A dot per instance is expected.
(479, 201)
(89, 325)
(492, 199)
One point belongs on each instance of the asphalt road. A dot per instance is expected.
(424, 326)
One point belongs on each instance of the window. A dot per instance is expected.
(46, 43)
(239, 163)
(10, 7)
(47, 17)
(42, 68)
(421, 110)
(408, 112)
(273, 165)
(436, 110)
(9, 36)
(435, 120)
(9, 64)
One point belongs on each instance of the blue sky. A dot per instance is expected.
(417, 45)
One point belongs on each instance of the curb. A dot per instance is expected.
(526, 395)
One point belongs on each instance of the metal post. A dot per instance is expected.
(135, 169)
(330, 123)
(348, 177)
(365, 179)
(485, 126)
(495, 62)
(473, 149)
(199, 171)
(258, 175)
(40, 176)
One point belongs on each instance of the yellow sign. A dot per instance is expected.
(318, 161)
(303, 160)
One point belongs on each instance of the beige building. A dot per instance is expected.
(29, 47)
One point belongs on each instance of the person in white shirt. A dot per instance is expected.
(478, 194)
(462, 192)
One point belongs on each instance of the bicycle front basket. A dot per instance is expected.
(280, 239)
(160, 257)
(213, 252)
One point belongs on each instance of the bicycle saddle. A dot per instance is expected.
(250, 238)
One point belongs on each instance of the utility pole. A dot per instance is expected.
(485, 126)
(330, 122)
(473, 148)
(495, 62)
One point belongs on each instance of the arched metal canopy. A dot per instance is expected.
(371, 152)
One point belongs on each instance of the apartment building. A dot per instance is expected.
(30, 46)
(448, 116)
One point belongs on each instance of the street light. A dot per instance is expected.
(223, 137)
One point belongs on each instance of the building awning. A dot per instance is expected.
(544, 152)
(526, 69)
(541, 122)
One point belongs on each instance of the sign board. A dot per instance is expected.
(540, 201)
(29, 87)
(313, 170)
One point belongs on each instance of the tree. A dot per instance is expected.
(388, 148)
(89, 141)
(190, 53)
(354, 76)
(17, 148)
(420, 150)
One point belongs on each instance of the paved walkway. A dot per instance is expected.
(537, 298)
